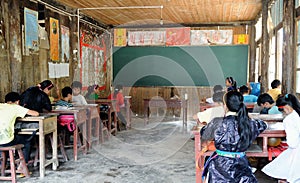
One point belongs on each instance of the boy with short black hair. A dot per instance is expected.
(276, 89)
(9, 111)
(269, 107)
(248, 98)
(77, 98)
(210, 113)
(67, 96)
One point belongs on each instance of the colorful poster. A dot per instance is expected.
(146, 38)
(31, 31)
(65, 44)
(210, 37)
(178, 36)
(54, 39)
(241, 39)
(120, 37)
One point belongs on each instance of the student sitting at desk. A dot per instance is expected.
(276, 89)
(248, 98)
(286, 165)
(216, 89)
(233, 135)
(66, 120)
(92, 92)
(118, 96)
(36, 97)
(8, 114)
(230, 84)
(67, 97)
(77, 98)
(210, 113)
(265, 100)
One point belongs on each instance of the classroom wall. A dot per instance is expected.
(18, 70)
(195, 96)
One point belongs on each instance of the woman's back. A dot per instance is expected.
(35, 99)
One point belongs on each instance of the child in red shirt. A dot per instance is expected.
(118, 96)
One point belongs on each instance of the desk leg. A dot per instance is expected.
(54, 151)
(89, 133)
(42, 155)
(98, 130)
(75, 142)
(109, 122)
(128, 116)
(115, 122)
(146, 115)
(84, 137)
(185, 116)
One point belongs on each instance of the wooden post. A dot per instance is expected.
(5, 74)
(288, 50)
(252, 56)
(14, 45)
(264, 48)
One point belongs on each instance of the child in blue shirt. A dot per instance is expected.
(268, 104)
(248, 98)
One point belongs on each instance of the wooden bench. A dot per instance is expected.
(21, 164)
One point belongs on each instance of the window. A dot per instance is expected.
(272, 61)
(297, 3)
(257, 63)
(279, 54)
(298, 58)
(258, 28)
(277, 12)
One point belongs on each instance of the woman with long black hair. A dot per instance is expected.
(233, 135)
(36, 97)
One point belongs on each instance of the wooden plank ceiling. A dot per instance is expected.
(187, 12)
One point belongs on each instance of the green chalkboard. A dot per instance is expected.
(179, 66)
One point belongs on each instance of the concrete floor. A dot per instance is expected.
(161, 152)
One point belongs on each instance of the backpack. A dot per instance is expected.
(67, 120)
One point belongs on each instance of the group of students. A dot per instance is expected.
(36, 100)
(251, 94)
(232, 131)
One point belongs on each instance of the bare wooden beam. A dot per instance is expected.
(252, 56)
(288, 51)
(264, 48)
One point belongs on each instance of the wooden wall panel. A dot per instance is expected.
(195, 96)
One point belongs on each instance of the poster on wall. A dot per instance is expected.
(211, 37)
(93, 63)
(178, 36)
(65, 44)
(241, 39)
(54, 39)
(120, 37)
(146, 38)
(31, 31)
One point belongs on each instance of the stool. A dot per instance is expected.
(13, 162)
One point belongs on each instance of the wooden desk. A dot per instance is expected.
(204, 106)
(80, 118)
(169, 103)
(111, 110)
(47, 125)
(93, 116)
(267, 117)
(275, 129)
